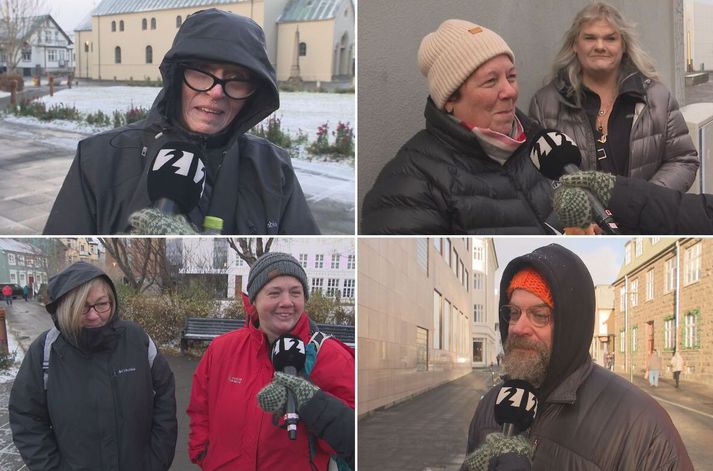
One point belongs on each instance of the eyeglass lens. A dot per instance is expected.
(202, 81)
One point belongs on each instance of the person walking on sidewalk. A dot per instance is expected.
(25, 292)
(653, 365)
(588, 418)
(93, 392)
(7, 293)
(677, 366)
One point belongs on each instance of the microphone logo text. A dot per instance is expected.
(181, 160)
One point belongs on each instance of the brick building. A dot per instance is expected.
(664, 300)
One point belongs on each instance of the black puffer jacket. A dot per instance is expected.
(588, 418)
(442, 182)
(660, 148)
(104, 408)
(251, 184)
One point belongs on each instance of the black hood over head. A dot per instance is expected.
(222, 37)
(572, 291)
(72, 277)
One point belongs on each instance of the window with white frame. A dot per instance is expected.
(335, 261)
(627, 253)
(20, 259)
(13, 276)
(669, 333)
(23, 278)
(332, 287)
(317, 285)
(478, 253)
(52, 55)
(692, 264)
(634, 292)
(319, 261)
(639, 246)
(446, 324)
(670, 275)
(437, 244)
(634, 332)
(650, 285)
(27, 54)
(654, 240)
(239, 262)
(303, 260)
(348, 291)
(437, 319)
(690, 337)
(30, 261)
(351, 262)
(478, 280)
(447, 253)
(455, 266)
(422, 254)
(11, 259)
(477, 313)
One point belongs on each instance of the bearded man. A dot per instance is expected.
(588, 418)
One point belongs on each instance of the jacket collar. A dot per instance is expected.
(566, 391)
(634, 84)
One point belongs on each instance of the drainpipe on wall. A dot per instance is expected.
(677, 303)
(627, 362)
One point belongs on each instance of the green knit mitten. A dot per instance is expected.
(272, 398)
(599, 183)
(151, 221)
(572, 207)
(496, 444)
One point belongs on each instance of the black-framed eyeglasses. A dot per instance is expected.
(540, 315)
(202, 81)
(100, 307)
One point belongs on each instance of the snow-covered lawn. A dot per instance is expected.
(299, 111)
(13, 346)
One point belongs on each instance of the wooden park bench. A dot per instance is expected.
(204, 329)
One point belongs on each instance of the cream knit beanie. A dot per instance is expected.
(448, 56)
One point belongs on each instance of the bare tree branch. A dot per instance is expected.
(18, 20)
(243, 247)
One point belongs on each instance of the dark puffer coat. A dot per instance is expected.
(588, 418)
(105, 409)
(442, 182)
(660, 148)
(251, 185)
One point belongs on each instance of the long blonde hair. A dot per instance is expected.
(71, 305)
(566, 60)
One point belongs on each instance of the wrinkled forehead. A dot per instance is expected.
(218, 68)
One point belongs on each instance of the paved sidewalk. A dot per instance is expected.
(426, 433)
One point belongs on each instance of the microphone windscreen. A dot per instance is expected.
(288, 350)
(551, 151)
(516, 404)
(177, 173)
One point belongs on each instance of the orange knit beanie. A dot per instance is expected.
(530, 280)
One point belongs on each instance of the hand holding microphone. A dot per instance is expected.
(273, 397)
(515, 410)
(570, 199)
(151, 221)
(555, 154)
(288, 357)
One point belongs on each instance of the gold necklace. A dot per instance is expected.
(600, 123)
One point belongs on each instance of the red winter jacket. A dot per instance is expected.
(226, 421)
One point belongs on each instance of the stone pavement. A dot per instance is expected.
(426, 433)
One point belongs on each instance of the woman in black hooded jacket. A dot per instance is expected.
(93, 392)
(249, 182)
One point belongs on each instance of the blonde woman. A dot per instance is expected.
(92, 392)
(606, 95)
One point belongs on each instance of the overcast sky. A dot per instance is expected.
(68, 13)
(603, 255)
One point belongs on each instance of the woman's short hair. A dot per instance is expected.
(71, 306)
(566, 59)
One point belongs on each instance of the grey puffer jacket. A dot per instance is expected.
(588, 418)
(661, 150)
(442, 182)
(251, 185)
(108, 407)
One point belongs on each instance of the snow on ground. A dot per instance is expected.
(4, 94)
(10, 373)
(298, 110)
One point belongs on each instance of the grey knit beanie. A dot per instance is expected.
(271, 265)
(449, 55)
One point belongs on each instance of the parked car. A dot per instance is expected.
(16, 290)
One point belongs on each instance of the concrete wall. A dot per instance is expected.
(396, 298)
(392, 91)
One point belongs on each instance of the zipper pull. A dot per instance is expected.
(143, 151)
